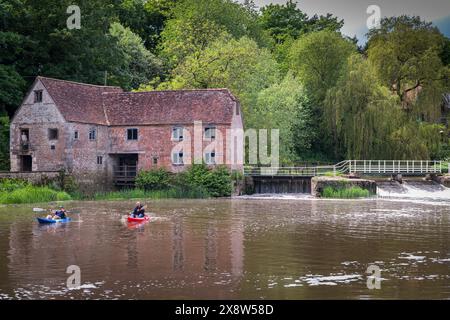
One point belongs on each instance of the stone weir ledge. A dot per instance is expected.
(318, 184)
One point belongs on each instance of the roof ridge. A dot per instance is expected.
(166, 91)
(78, 83)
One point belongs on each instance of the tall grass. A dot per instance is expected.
(172, 193)
(33, 194)
(345, 193)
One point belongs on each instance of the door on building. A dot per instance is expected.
(26, 164)
(126, 171)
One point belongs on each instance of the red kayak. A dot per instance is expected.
(146, 218)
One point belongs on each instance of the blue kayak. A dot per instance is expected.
(48, 221)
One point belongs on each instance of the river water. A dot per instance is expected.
(257, 248)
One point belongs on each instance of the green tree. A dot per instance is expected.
(285, 106)
(317, 59)
(406, 53)
(194, 24)
(138, 65)
(239, 65)
(361, 114)
(367, 121)
(285, 23)
(4, 143)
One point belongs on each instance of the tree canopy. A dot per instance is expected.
(292, 72)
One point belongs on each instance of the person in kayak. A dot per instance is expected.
(60, 214)
(138, 211)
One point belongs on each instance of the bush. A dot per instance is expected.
(216, 182)
(9, 185)
(32, 194)
(153, 180)
(345, 193)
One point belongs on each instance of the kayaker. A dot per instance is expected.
(61, 213)
(138, 211)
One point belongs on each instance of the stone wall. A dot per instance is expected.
(43, 177)
(318, 184)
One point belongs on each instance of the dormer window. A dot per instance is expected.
(37, 96)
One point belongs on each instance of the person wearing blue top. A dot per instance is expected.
(138, 211)
(60, 214)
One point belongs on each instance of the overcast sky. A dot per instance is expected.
(354, 11)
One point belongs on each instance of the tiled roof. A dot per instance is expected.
(110, 105)
(78, 102)
(169, 107)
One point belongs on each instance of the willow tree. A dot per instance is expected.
(407, 54)
(361, 114)
(368, 122)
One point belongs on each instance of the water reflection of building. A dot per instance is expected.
(180, 248)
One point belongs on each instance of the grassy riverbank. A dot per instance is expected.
(198, 182)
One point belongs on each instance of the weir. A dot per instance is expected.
(282, 184)
(298, 179)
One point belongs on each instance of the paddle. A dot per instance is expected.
(44, 210)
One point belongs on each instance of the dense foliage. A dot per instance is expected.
(158, 179)
(297, 73)
(198, 179)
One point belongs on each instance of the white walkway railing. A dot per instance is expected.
(369, 167)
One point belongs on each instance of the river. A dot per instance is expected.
(293, 248)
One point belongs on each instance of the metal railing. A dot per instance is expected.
(369, 167)
(394, 166)
(124, 175)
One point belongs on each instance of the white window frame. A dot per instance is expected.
(177, 133)
(178, 158)
(210, 132)
(210, 158)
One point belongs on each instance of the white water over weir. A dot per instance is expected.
(413, 190)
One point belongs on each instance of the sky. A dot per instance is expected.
(354, 11)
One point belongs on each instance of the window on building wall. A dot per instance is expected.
(155, 161)
(92, 134)
(177, 134)
(52, 147)
(132, 134)
(177, 158)
(53, 134)
(237, 110)
(210, 157)
(99, 160)
(210, 132)
(75, 135)
(37, 96)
